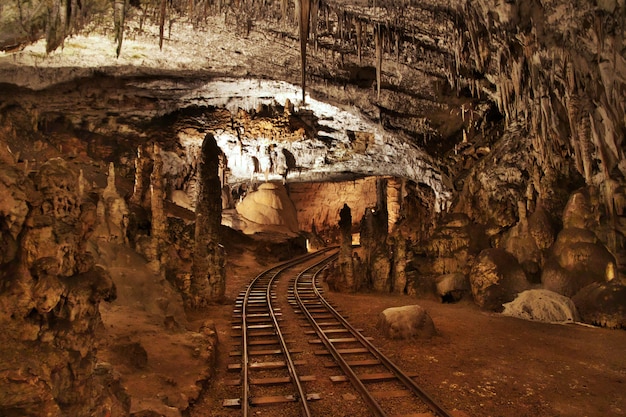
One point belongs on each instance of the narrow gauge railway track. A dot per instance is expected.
(386, 390)
(273, 378)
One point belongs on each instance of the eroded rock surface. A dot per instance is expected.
(407, 322)
(496, 278)
(542, 305)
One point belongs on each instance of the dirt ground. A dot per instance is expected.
(481, 363)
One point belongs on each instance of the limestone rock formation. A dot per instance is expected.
(345, 281)
(374, 232)
(449, 250)
(268, 206)
(496, 278)
(603, 304)
(407, 322)
(542, 305)
(452, 287)
(578, 258)
(207, 275)
(321, 202)
(50, 294)
(112, 212)
(529, 240)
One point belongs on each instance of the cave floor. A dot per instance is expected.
(481, 363)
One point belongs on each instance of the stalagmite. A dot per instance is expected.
(157, 197)
(207, 275)
(137, 197)
(346, 281)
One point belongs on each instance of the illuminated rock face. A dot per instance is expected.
(269, 206)
(319, 203)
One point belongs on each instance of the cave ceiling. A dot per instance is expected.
(420, 90)
(346, 128)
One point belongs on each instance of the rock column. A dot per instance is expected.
(208, 280)
(346, 279)
(374, 229)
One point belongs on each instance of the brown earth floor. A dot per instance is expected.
(481, 363)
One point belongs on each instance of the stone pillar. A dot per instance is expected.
(374, 230)
(208, 282)
(137, 197)
(158, 222)
(346, 281)
(398, 276)
(158, 229)
(394, 201)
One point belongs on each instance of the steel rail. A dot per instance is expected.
(276, 270)
(358, 384)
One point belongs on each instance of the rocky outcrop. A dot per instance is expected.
(407, 322)
(603, 304)
(529, 240)
(577, 258)
(49, 295)
(496, 278)
(449, 250)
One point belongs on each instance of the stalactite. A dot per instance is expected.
(162, 23)
(119, 13)
(56, 29)
(573, 112)
(379, 59)
(359, 40)
(303, 24)
(585, 151)
(314, 15)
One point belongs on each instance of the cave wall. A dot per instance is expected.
(50, 291)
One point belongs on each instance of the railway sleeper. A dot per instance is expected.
(373, 377)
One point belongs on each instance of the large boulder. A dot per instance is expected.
(406, 322)
(542, 305)
(496, 278)
(603, 304)
(577, 260)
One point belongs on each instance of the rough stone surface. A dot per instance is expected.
(542, 305)
(268, 206)
(452, 287)
(496, 278)
(577, 260)
(207, 275)
(603, 304)
(407, 322)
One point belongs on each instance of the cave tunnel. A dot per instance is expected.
(156, 157)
